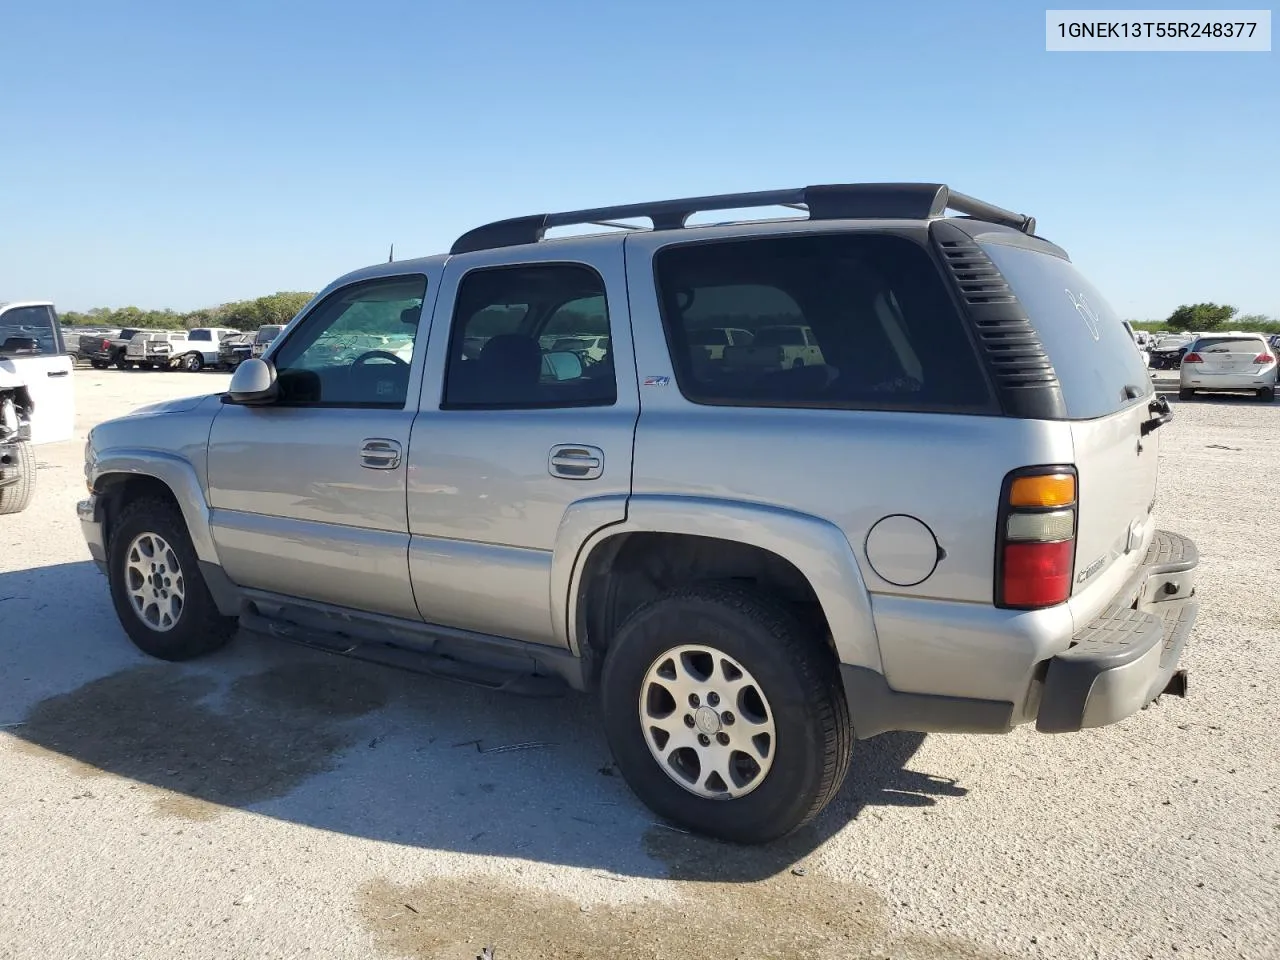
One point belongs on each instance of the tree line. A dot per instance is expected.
(1212, 316)
(278, 308)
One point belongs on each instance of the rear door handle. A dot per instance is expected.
(379, 453)
(575, 461)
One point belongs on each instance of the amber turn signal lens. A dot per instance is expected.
(1047, 490)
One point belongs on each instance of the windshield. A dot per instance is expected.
(36, 323)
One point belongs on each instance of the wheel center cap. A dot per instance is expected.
(707, 720)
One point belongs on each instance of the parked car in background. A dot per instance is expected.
(152, 348)
(234, 349)
(102, 350)
(263, 339)
(1141, 340)
(965, 541)
(199, 349)
(777, 345)
(1167, 352)
(37, 395)
(1229, 362)
(714, 339)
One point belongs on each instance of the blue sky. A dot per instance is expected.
(185, 154)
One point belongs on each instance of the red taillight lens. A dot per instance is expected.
(1193, 358)
(1037, 574)
(1263, 358)
(106, 344)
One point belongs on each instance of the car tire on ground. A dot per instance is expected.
(751, 696)
(99, 364)
(124, 364)
(145, 366)
(159, 593)
(193, 363)
(1267, 394)
(1185, 394)
(17, 476)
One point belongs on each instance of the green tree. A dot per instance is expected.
(1200, 316)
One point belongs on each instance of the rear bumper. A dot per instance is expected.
(1127, 656)
(1227, 381)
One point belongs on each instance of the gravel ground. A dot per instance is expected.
(272, 802)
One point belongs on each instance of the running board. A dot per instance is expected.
(441, 666)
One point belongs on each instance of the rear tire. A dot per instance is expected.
(737, 649)
(156, 585)
(17, 476)
(1185, 394)
(1267, 394)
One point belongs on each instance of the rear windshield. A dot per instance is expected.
(1098, 364)
(267, 334)
(1229, 345)
(32, 323)
(884, 332)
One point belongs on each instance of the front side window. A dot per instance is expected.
(355, 348)
(32, 323)
(831, 320)
(530, 337)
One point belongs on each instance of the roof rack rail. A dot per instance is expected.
(839, 201)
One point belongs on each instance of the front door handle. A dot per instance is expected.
(379, 453)
(58, 373)
(575, 461)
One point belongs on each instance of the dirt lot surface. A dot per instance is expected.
(273, 802)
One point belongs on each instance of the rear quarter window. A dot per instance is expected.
(884, 331)
(1098, 365)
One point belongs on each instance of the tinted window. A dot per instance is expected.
(1097, 362)
(1229, 345)
(523, 337)
(32, 323)
(355, 347)
(200, 335)
(882, 330)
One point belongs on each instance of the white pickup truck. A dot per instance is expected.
(190, 350)
(37, 395)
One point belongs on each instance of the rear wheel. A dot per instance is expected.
(17, 476)
(156, 586)
(1267, 394)
(192, 363)
(726, 715)
(1185, 394)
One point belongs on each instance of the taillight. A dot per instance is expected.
(1263, 358)
(1036, 541)
(106, 344)
(1193, 358)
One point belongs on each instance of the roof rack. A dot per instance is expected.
(840, 201)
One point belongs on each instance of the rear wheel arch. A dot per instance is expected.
(627, 570)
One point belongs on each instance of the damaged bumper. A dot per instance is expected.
(1129, 655)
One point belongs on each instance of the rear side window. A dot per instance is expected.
(833, 320)
(1098, 364)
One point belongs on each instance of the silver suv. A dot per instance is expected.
(945, 523)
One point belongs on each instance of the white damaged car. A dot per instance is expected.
(37, 396)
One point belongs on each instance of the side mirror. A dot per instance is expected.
(253, 384)
(562, 365)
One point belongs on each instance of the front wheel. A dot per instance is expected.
(725, 714)
(192, 363)
(156, 586)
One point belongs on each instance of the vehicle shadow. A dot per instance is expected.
(366, 751)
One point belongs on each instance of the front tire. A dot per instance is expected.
(17, 477)
(193, 363)
(725, 714)
(156, 586)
